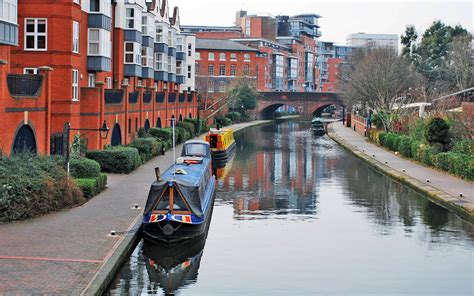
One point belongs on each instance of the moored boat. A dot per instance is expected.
(222, 144)
(317, 126)
(180, 202)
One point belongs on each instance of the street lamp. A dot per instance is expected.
(103, 130)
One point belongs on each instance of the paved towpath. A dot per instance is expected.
(70, 252)
(442, 187)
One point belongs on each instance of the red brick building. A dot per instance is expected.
(125, 62)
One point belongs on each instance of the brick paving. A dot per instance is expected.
(450, 185)
(60, 253)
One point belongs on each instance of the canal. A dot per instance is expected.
(298, 215)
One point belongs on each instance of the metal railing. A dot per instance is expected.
(24, 85)
(147, 97)
(182, 98)
(133, 97)
(160, 97)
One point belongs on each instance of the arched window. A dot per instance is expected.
(116, 135)
(146, 126)
(25, 141)
(158, 122)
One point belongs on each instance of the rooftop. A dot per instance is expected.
(219, 44)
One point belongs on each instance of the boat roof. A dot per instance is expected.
(219, 131)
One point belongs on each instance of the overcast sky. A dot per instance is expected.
(339, 18)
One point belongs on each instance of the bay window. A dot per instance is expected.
(133, 52)
(103, 7)
(8, 11)
(161, 33)
(161, 62)
(133, 18)
(99, 43)
(147, 57)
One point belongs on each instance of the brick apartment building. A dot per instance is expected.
(88, 61)
(284, 48)
(330, 56)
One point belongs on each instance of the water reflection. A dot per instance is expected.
(295, 214)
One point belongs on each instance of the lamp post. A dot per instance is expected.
(104, 132)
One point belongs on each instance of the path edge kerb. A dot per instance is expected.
(108, 270)
(437, 196)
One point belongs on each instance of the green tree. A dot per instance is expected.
(242, 95)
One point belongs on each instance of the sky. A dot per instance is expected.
(339, 18)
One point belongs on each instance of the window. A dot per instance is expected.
(75, 37)
(8, 11)
(31, 71)
(129, 126)
(222, 70)
(210, 69)
(222, 56)
(108, 81)
(210, 86)
(180, 44)
(246, 57)
(233, 70)
(210, 56)
(190, 71)
(36, 34)
(233, 57)
(104, 7)
(190, 49)
(133, 53)
(147, 57)
(197, 55)
(161, 62)
(91, 80)
(144, 25)
(136, 124)
(171, 38)
(130, 18)
(77, 1)
(221, 86)
(160, 32)
(179, 68)
(75, 85)
(99, 43)
(171, 64)
(246, 70)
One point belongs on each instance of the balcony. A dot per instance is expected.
(21, 85)
(180, 56)
(160, 97)
(190, 97)
(147, 97)
(171, 98)
(113, 96)
(133, 97)
(182, 98)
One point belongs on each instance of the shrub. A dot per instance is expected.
(147, 147)
(164, 134)
(226, 121)
(92, 186)
(196, 123)
(464, 146)
(81, 167)
(415, 149)
(404, 146)
(427, 154)
(456, 163)
(389, 140)
(142, 133)
(187, 126)
(437, 131)
(121, 160)
(31, 186)
(374, 135)
(235, 116)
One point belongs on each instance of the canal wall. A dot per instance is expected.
(462, 206)
(130, 238)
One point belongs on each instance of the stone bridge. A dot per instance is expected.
(307, 104)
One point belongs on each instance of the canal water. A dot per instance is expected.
(296, 214)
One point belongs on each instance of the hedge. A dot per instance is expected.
(390, 140)
(234, 116)
(164, 134)
(121, 160)
(404, 146)
(81, 167)
(464, 146)
(456, 163)
(31, 186)
(92, 186)
(147, 147)
(187, 126)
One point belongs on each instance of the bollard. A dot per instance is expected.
(112, 232)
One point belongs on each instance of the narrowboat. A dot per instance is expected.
(222, 144)
(317, 126)
(180, 202)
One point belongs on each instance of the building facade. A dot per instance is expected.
(373, 40)
(124, 62)
(330, 56)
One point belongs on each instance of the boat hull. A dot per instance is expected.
(223, 155)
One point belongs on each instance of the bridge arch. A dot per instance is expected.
(307, 104)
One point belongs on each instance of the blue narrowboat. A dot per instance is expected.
(180, 202)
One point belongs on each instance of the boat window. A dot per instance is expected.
(178, 204)
(214, 140)
(195, 150)
(164, 204)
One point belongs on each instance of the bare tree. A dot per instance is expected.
(202, 86)
(377, 78)
(460, 63)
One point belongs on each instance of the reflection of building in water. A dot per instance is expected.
(279, 175)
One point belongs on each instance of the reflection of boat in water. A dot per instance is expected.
(317, 126)
(179, 204)
(222, 144)
(176, 266)
(222, 168)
